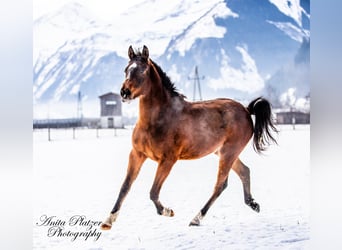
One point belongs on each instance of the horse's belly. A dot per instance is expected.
(188, 155)
(199, 149)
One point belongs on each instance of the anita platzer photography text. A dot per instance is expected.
(77, 227)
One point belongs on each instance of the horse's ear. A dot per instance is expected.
(131, 53)
(145, 53)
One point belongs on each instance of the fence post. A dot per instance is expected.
(293, 122)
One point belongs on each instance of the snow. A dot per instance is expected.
(77, 34)
(246, 78)
(82, 176)
(155, 27)
(204, 27)
(292, 31)
(290, 8)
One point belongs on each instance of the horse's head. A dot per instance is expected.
(136, 75)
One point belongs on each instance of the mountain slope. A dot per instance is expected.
(237, 46)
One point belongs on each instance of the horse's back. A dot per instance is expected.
(220, 113)
(207, 125)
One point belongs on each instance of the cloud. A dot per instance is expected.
(302, 104)
(174, 74)
(289, 99)
(246, 79)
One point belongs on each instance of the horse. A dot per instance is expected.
(169, 128)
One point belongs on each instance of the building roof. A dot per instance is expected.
(109, 94)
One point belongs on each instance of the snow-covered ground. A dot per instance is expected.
(82, 177)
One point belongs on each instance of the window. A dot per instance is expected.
(110, 102)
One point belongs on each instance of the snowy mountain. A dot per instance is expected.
(243, 48)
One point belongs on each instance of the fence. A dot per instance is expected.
(67, 123)
(77, 133)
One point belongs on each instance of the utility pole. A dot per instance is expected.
(79, 108)
(197, 83)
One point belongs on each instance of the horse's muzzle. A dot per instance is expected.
(125, 94)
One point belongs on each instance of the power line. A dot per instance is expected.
(197, 83)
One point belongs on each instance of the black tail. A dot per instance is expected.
(261, 108)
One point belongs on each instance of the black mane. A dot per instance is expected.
(168, 85)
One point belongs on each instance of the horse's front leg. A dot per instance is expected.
(136, 159)
(163, 171)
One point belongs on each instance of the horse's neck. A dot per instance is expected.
(151, 105)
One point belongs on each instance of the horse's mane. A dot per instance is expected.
(167, 84)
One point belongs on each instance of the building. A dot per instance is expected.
(111, 113)
(293, 117)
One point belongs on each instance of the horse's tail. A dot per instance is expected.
(261, 108)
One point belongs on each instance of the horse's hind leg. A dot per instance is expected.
(225, 165)
(243, 172)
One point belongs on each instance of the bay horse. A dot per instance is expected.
(170, 128)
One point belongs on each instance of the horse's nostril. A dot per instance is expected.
(125, 93)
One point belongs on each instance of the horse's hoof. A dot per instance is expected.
(194, 223)
(255, 206)
(168, 212)
(105, 226)
(197, 220)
